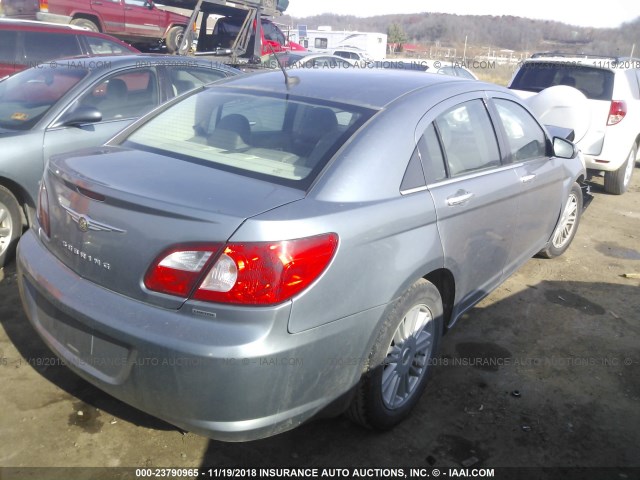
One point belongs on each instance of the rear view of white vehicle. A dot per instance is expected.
(612, 87)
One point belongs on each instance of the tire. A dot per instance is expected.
(400, 359)
(174, 38)
(10, 225)
(567, 225)
(85, 23)
(617, 182)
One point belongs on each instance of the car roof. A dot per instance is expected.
(20, 24)
(46, 27)
(383, 86)
(100, 62)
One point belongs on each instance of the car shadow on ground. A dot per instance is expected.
(538, 387)
(38, 356)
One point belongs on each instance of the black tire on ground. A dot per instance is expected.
(85, 23)
(617, 182)
(10, 225)
(400, 359)
(567, 225)
(174, 38)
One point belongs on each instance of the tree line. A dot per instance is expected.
(501, 32)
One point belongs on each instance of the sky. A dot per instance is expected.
(611, 13)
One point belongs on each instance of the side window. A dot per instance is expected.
(414, 175)
(271, 32)
(183, 80)
(7, 47)
(526, 139)
(125, 95)
(321, 43)
(432, 157)
(102, 46)
(468, 138)
(41, 47)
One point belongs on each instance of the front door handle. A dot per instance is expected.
(460, 198)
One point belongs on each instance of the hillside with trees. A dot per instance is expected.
(482, 32)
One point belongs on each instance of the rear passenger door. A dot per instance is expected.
(474, 194)
(141, 20)
(112, 14)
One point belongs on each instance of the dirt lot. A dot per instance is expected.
(545, 372)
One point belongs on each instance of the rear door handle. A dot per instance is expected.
(527, 178)
(460, 198)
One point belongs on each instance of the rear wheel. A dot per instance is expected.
(174, 39)
(567, 225)
(85, 23)
(617, 182)
(400, 359)
(10, 224)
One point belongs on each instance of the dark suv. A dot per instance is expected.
(25, 44)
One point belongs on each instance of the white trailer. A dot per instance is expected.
(326, 39)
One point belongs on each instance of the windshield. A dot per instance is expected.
(27, 96)
(278, 139)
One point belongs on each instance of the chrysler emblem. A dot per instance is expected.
(83, 224)
(86, 223)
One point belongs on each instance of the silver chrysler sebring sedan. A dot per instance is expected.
(259, 249)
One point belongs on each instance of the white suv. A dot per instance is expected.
(612, 87)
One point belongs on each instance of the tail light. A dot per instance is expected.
(261, 273)
(44, 5)
(617, 112)
(42, 211)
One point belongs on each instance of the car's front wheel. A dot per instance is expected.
(617, 182)
(567, 225)
(400, 359)
(10, 224)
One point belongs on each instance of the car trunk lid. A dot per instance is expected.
(113, 211)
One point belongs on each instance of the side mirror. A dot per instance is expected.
(564, 148)
(149, 4)
(80, 116)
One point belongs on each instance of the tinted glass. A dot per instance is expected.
(432, 157)
(40, 47)
(27, 96)
(526, 138)
(595, 83)
(101, 46)
(7, 47)
(468, 138)
(281, 140)
(126, 95)
(183, 80)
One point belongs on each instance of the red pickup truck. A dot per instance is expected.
(138, 22)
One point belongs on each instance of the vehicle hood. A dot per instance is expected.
(144, 203)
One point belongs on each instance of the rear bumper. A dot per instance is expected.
(228, 373)
(53, 18)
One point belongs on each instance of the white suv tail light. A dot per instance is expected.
(617, 111)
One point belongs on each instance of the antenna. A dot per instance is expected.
(288, 80)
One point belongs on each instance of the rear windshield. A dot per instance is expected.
(595, 83)
(279, 139)
(27, 96)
